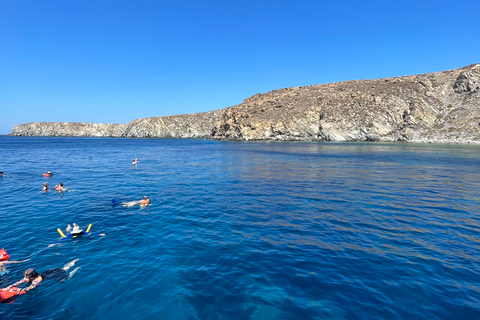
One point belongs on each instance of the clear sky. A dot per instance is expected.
(116, 61)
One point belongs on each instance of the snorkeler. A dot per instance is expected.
(31, 276)
(48, 174)
(45, 187)
(59, 187)
(144, 202)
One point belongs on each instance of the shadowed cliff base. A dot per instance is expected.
(441, 107)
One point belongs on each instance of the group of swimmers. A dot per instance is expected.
(59, 274)
(34, 278)
(59, 187)
(30, 275)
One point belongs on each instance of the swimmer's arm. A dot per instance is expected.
(30, 287)
(67, 237)
(34, 284)
(95, 234)
(14, 261)
(16, 283)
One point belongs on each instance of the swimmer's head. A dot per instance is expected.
(46, 184)
(61, 184)
(145, 197)
(30, 273)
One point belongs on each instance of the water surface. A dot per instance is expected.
(244, 230)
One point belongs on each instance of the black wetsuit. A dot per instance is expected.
(57, 274)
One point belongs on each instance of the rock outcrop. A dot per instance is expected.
(442, 107)
(195, 125)
(68, 129)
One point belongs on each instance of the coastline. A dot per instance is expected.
(441, 107)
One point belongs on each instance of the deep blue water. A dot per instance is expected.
(244, 230)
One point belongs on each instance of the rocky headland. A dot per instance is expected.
(441, 107)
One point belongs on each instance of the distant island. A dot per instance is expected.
(441, 107)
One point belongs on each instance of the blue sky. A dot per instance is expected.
(116, 61)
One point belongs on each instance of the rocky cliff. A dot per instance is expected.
(195, 125)
(442, 107)
(68, 129)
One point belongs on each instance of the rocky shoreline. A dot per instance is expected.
(441, 107)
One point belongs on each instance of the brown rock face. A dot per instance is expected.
(435, 107)
(441, 107)
(195, 125)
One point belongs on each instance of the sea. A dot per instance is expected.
(242, 230)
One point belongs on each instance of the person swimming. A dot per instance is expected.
(48, 174)
(144, 202)
(31, 276)
(45, 187)
(59, 187)
(135, 161)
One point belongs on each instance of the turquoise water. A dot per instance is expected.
(244, 230)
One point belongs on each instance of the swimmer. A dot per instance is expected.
(1, 173)
(59, 187)
(135, 161)
(31, 276)
(145, 201)
(48, 174)
(45, 187)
